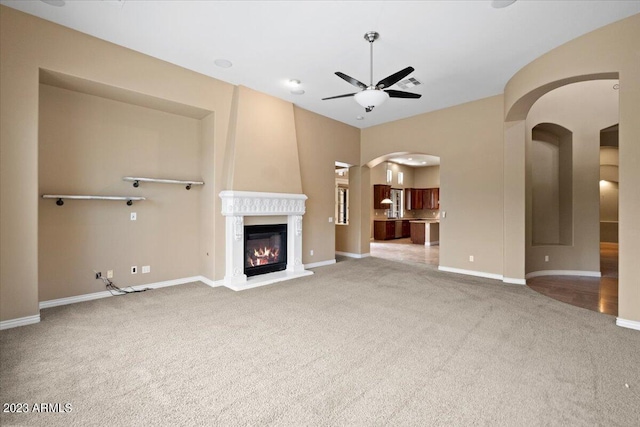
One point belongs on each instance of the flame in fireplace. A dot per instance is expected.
(264, 256)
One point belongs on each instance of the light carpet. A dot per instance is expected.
(363, 342)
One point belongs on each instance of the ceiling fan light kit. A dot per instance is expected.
(374, 95)
(370, 98)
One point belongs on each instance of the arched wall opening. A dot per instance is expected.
(607, 53)
(551, 179)
(562, 158)
(407, 175)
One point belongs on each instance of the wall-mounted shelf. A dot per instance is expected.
(137, 180)
(61, 197)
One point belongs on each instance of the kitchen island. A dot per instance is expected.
(425, 232)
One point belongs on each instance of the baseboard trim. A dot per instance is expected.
(105, 294)
(352, 255)
(211, 283)
(320, 263)
(563, 273)
(21, 321)
(514, 281)
(630, 324)
(470, 272)
(434, 243)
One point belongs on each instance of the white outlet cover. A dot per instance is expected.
(330, 219)
(146, 269)
(134, 216)
(109, 274)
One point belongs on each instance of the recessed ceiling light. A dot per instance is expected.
(359, 118)
(499, 4)
(297, 92)
(294, 82)
(223, 63)
(410, 158)
(424, 163)
(56, 3)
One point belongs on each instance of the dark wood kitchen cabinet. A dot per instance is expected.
(406, 228)
(380, 192)
(421, 198)
(434, 199)
(384, 230)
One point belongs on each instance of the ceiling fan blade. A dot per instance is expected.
(351, 80)
(400, 94)
(394, 78)
(339, 96)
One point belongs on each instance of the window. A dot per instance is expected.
(342, 205)
(396, 210)
(400, 178)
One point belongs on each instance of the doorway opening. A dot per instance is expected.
(405, 200)
(572, 200)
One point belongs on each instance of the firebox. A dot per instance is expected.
(265, 248)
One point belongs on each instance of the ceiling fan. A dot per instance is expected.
(371, 96)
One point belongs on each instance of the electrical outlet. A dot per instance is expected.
(98, 275)
(444, 214)
(311, 252)
(471, 258)
(330, 219)
(134, 216)
(109, 274)
(134, 269)
(546, 258)
(146, 269)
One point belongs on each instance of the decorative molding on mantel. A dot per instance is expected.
(250, 203)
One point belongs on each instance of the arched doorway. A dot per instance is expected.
(405, 207)
(521, 92)
(563, 248)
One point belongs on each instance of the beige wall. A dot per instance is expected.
(86, 145)
(322, 142)
(27, 45)
(584, 109)
(468, 140)
(609, 52)
(223, 129)
(262, 153)
(427, 177)
(482, 179)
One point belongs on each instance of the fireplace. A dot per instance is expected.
(283, 208)
(265, 248)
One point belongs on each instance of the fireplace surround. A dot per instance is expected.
(239, 205)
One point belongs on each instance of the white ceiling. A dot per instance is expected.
(461, 50)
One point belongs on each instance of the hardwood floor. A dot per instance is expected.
(593, 293)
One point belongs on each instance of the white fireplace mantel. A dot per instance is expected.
(236, 205)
